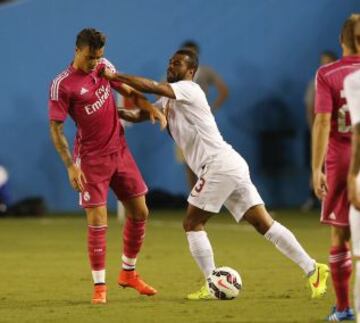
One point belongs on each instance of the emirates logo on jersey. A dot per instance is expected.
(102, 93)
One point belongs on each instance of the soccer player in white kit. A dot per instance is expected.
(352, 94)
(223, 175)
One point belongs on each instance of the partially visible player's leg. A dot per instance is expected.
(97, 227)
(129, 187)
(354, 218)
(199, 243)
(199, 246)
(280, 236)
(136, 213)
(285, 241)
(340, 266)
(335, 212)
(93, 200)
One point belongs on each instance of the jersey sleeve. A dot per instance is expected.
(182, 91)
(323, 96)
(352, 94)
(58, 102)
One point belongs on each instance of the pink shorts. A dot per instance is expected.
(335, 206)
(118, 171)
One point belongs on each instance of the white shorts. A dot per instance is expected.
(354, 218)
(225, 181)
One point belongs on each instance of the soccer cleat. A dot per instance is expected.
(130, 278)
(202, 294)
(99, 294)
(337, 316)
(318, 280)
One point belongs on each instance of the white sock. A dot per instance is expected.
(98, 276)
(128, 263)
(201, 251)
(357, 289)
(285, 241)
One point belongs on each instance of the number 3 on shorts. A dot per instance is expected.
(199, 185)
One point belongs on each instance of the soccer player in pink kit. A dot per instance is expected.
(331, 150)
(101, 156)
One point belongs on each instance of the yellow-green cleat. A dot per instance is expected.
(318, 280)
(202, 294)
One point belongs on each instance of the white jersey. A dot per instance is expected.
(352, 94)
(192, 125)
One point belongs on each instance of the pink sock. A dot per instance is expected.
(133, 237)
(97, 246)
(341, 268)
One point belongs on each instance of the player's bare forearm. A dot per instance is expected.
(60, 142)
(135, 116)
(320, 139)
(142, 103)
(355, 155)
(143, 84)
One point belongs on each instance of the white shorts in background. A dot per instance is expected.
(354, 218)
(225, 182)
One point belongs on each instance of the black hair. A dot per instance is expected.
(193, 60)
(90, 37)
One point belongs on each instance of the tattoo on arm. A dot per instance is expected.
(355, 158)
(60, 142)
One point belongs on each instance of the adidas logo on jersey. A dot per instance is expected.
(83, 91)
(332, 216)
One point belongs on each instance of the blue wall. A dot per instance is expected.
(264, 49)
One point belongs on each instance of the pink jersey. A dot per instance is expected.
(330, 96)
(88, 99)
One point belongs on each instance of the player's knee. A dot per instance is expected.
(192, 224)
(340, 236)
(140, 214)
(96, 216)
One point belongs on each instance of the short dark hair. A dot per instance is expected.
(193, 61)
(191, 44)
(347, 36)
(330, 54)
(90, 37)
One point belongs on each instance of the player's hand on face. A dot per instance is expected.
(320, 184)
(353, 192)
(77, 178)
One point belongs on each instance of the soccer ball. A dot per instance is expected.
(224, 283)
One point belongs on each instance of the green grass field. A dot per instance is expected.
(44, 273)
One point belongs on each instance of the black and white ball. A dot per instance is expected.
(224, 283)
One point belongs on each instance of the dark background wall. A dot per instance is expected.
(266, 50)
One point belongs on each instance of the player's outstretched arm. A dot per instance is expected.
(141, 84)
(354, 167)
(76, 176)
(320, 139)
(141, 102)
